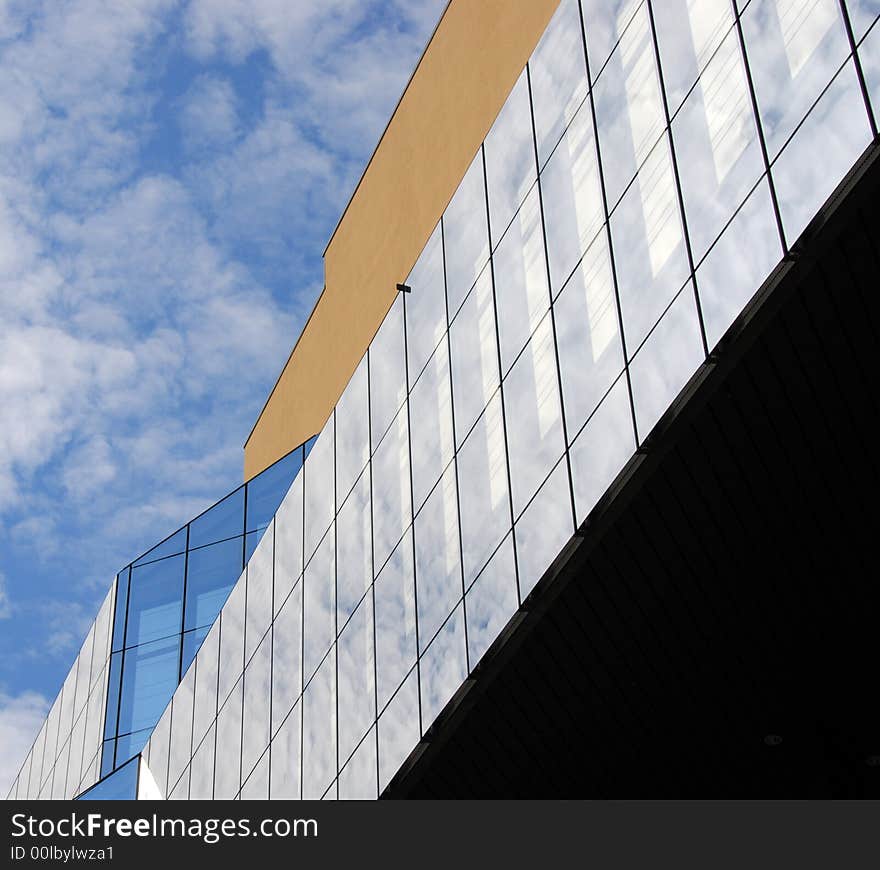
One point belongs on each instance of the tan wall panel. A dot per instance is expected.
(466, 73)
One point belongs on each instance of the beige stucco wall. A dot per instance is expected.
(458, 88)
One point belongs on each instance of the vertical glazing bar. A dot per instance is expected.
(872, 120)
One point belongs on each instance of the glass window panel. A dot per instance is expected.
(869, 54)
(521, 279)
(192, 640)
(319, 487)
(232, 640)
(571, 188)
(431, 417)
(558, 76)
(224, 520)
(357, 781)
(398, 729)
(531, 390)
(474, 355)
(544, 528)
(727, 280)
(267, 489)
(257, 695)
(862, 14)
(149, 678)
(717, 144)
(354, 570)
(510, 158)
(288, 542)
(227, 770)
(483, 493)
(130, 745)
(438, 561)
(628, 103)
(688, 32)
(122, 786)
(588, 335)
(602, 449)
(352, 431)
(113, 695)
(285, 780)
(251, 542)
(466, 234)
(122, 580)
(287, 654)
(171, 546)
(108, 754)
(443, 667)
(794, 48)
(821, 153)
(647, 237)
(211, 573)
(319, 731)
(319, 615)
(159, 745)
(181, 728)
(491, 601)
(155, 600)
(664, 365)
(387, 371)
(257, 786)
(604, 21)
(201, 780)
(395, 621)
(392, 505)
(259, 592)
(425, 307)
(205, 703)
(356, 675)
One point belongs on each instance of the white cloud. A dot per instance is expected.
(20, 720)
(209, 114)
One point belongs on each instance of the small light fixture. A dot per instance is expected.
(404, 288)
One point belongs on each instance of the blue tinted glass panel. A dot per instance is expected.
(250, 543)
(265, 492)
(121, 786)
(171, 546)
(121, 605)
(211, 573)
(107, 757)
(192, 640)
(149, 678)
(131, 744)
(113, 695)
(155, 601)
(307, 447)
(224, 520)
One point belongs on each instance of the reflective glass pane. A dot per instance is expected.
(251, 542)
(544, 529)
(180, 792)
(862, 14)
(604, 21)
(727, 280)
(629, 106)
(155, 601)
(319, 731)
(521, 289)
(103, 624)
(288, 542)
(483, 493)
(392, 505)
(510, 158)
(160, 743)
(211, 573)
(602, 449)
(649, 246)
(171, 546)
(201, 780)
(285, 779)
(149, 677)
(466, 234)
(224, 520)
(398, 729)
(438, 561)
(573, 209)
(352, 431)
(531, 391)
(869, 54)
(257, 696)
(794, 48)
(357, 781)
(59, 775)
(387, 371)
(426, 305)
(319, 619)
(112, 696)
(205, 704)
(130, 745)
(558, 75)
(395, 621)
(474, 350)
(443, 667)
(287, 655)
(74, 763)
(227, 771)
(83, 671)
(357, 698)
(256, 788)
(121, 786)
(588, 335)
(267, 489)
(181, 728)
(319, 487)
(354, 571)
(68, 697)
(259, 592)
(430, 405)
(664, 365)
(120, 608)
(232, 640)
(192, 640)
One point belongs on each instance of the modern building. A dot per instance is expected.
(589, 507)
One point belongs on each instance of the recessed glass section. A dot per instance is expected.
(224, 520)
(171, 546)
(211, 573)
(121, 786)
(149, 678)
(266, 490)
(155, 601)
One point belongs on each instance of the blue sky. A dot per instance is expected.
(170, 172)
